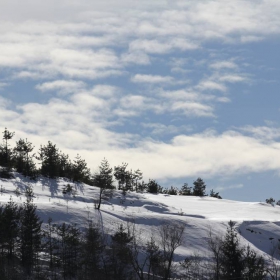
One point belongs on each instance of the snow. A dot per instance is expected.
(258, 223)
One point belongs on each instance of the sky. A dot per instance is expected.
(178, 89)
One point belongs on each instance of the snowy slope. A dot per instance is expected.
(258, 223)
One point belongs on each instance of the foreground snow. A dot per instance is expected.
(258, 223)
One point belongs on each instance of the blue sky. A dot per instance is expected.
(179, 89)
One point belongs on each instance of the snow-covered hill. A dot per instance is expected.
(258, 223)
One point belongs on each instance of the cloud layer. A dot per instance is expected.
(141, 82)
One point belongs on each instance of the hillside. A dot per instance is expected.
(258, 223)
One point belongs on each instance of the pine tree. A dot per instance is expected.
(23, 159)
(104, 180)
(124, 178)
(185, 190)
(50, 160)
(80, 171)
(137, 176)
(92, 249)
(254, 266)
(69, 248)
(232, 254)
(11, 228)
(6, 154)
(118, 264)
(153, 187)
(30, 233)
(215, 194)
(199, 187)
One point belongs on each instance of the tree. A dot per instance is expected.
(171, 237)
(153, 187)
(172, 191)
(92, 248)
(80, 171)
(30, 233)
(270, 201)
(9, 232)
(6, 154)
(137, 176)
(232, 254)
(118, 265)
(69, 249)
(154, 259)
(199, 187)
(215, 245)
(124, 178)
(254, 266)
(65, 166)
(50, 160)
(185, 190)
(104, 180)
(23, 160)
(215, 194)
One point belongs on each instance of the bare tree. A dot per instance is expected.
(215, 244)
(171, 237)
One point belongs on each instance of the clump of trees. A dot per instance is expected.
(50, 162)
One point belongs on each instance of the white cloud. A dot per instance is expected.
(224, 64)
(62, 86)
(233, 78)
(162, 129)
(211, 85)
(193, 109)
(262, 132)
(161, 47)
(153, 79)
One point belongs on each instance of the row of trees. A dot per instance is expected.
(53, 163)
(29, 250)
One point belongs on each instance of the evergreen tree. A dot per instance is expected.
(118, 265)
(215, 194)
(124, 178)
(104, 180)
(23, 159)
(50, 160)
(232, 254)
(80, 171)
(155, 264)
(30, 233)
(65, 166)
(254, 266)
(69, 248)
(6, 154)
(92, 249)
(10, 230)
(199, 187)
(153, 187)
(137, 176)
(185, 190)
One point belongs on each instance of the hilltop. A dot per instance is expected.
(257, 223)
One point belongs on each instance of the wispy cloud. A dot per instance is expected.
(61, 86)
(153, 79)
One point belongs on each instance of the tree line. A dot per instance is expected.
(31, 250)
(50, 162)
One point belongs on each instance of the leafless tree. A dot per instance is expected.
(171, 237)
(215, 244)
